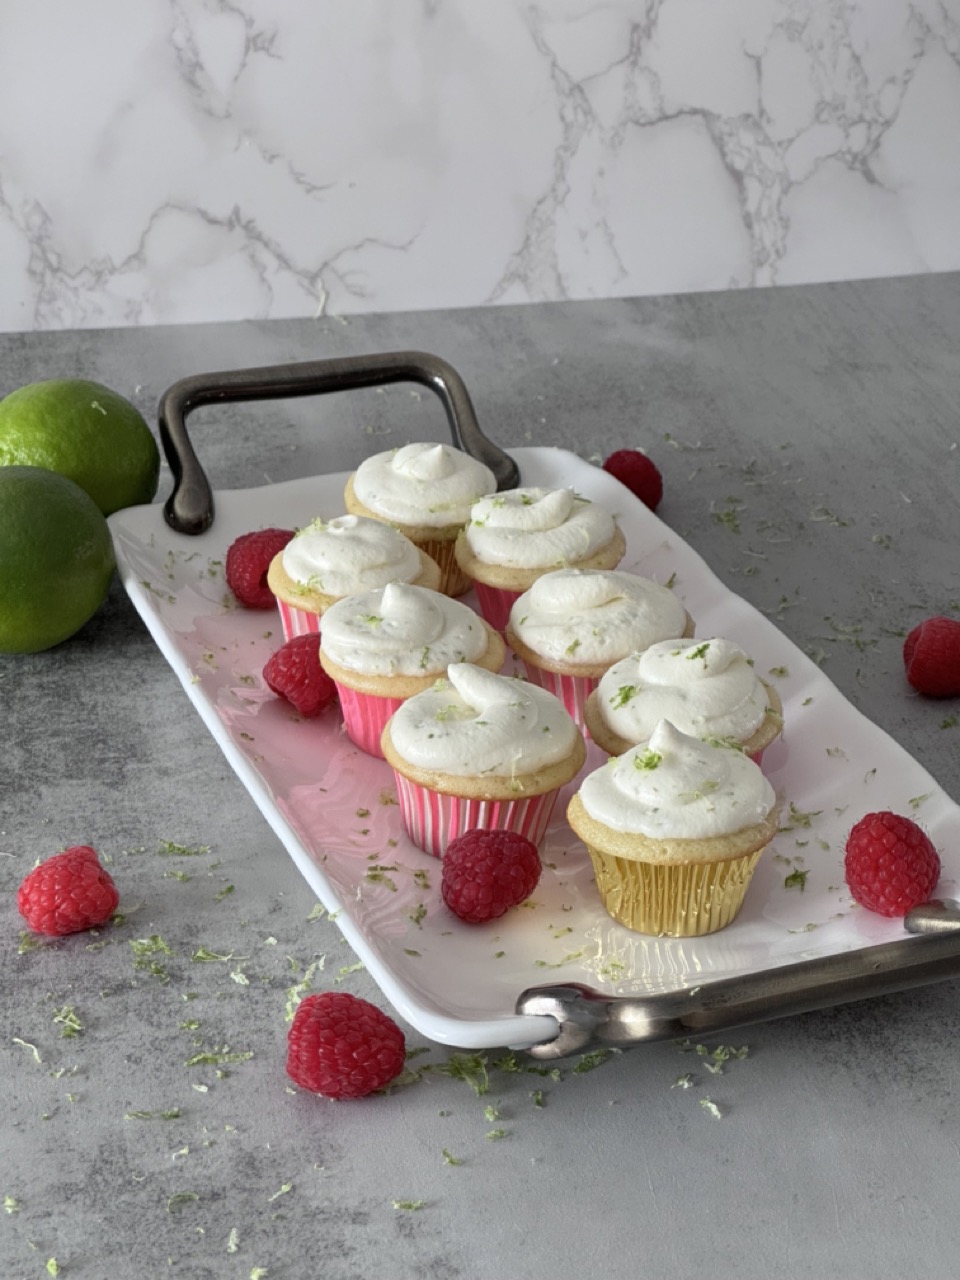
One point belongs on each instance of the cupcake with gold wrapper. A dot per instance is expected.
(675, 829)
(426, 491)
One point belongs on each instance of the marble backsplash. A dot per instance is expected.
(193, 160)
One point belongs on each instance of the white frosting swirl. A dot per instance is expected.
(533, 528)
(475, 723)
(594, 615)
(401, 630)
(704, 687)
(424, 484)
(678, 788)
(349, 554)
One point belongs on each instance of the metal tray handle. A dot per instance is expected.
(589, 1019)
(190, 507)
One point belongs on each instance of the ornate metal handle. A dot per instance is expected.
(588, 1018)
(190, 507)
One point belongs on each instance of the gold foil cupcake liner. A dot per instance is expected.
(453, 581)
(679, 900)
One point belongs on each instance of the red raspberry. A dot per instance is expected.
(67, 893)
(294, 672)
(931, 655)
(342, 1046)
(247, 563)
(638, 473)
(485, 873)
(891, 865)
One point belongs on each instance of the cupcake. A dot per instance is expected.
(385, 645)
(480, 750)
(515, 537)
(426, 491)
(573, 624)
(330, 559)
(674, 830)
(707, 688)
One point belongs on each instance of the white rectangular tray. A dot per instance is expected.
(334, 808)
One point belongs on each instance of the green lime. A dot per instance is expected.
(85, 431)
(56, 558)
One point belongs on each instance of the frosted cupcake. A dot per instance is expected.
(515, 537)
(385, 645)
(480, 750)
(675, 830)
(329, 559)
(707, 688)
(426, 491)
(573, 624)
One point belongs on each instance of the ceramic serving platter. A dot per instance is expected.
(334, 808)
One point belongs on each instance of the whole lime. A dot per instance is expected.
(85, 431)
(56, 558)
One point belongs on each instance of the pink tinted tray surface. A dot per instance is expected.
(335, 809)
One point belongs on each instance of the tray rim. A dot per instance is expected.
(535, 1025)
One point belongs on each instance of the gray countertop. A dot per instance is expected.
(808, 439)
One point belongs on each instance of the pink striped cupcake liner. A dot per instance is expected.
(297, 622)
(573, 691)
(432, 819)
(364, 715)
(495, 604)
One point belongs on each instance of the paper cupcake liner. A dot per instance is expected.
(297, 622)
(495, 604)
(432, 819)
(573, 691)
(681, 900)
(364, 716)
(453, 581)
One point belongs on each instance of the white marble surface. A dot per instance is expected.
(191, 160)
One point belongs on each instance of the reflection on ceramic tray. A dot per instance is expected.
(335, 810)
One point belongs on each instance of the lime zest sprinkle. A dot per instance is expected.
(170, 849)
(797, 879)
(53, 1267)
(68, 1020)
(648, 760)
(11, 1204)
(181, 1198)
(711, 1107)
(450, 1159)
(27, 1045)
(172, 1114)
(623, 695)
(233, 1240)
(409, 1206)
(284, 1190)
(590, 1061)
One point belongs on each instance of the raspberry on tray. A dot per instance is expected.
(891, 864)
(485, 873)
(248, 560)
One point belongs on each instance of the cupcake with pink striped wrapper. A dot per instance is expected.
(574, 624)
(480, 750)
(705, 688)
(515, 537)
(330, 559)
(385, 645)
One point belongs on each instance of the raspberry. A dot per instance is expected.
(67, 893)
(294, 672)
(485, 873)
(638, 473)
(891, 865)
(248, 560)
(342, 1046)
(931, 655)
